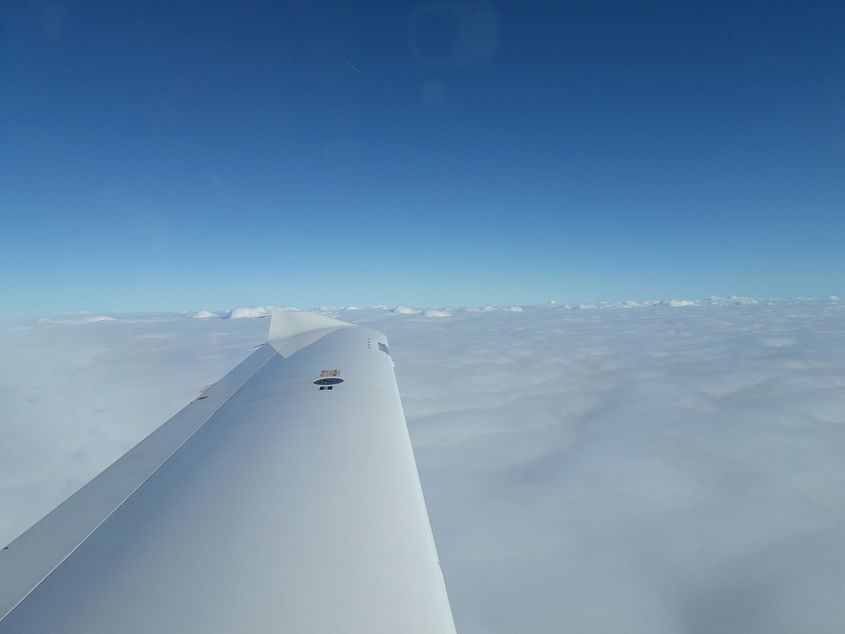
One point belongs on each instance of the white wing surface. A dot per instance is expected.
(285, 499)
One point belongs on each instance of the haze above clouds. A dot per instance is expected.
(652, 467)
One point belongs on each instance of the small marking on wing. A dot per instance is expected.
(329, 381)
(374, 344)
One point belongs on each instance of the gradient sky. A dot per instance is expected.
(178, 155)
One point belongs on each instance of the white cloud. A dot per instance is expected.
(732, 300)
(86, 319)
(437, 312)
(492, 309)
(251, 312)
(613, 469)
(205, 314)
(406, 310)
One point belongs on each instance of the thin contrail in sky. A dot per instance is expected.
(351, 65)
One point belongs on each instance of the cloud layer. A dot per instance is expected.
(633, 467)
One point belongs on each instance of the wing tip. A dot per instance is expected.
(288, 329)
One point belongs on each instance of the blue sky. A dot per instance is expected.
(170, 156)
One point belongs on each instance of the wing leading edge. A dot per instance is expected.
(286, 500)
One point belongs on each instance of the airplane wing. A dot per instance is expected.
(284, 499)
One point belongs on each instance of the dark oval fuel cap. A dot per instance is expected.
(329, 381)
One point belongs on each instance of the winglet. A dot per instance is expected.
(293, 330)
